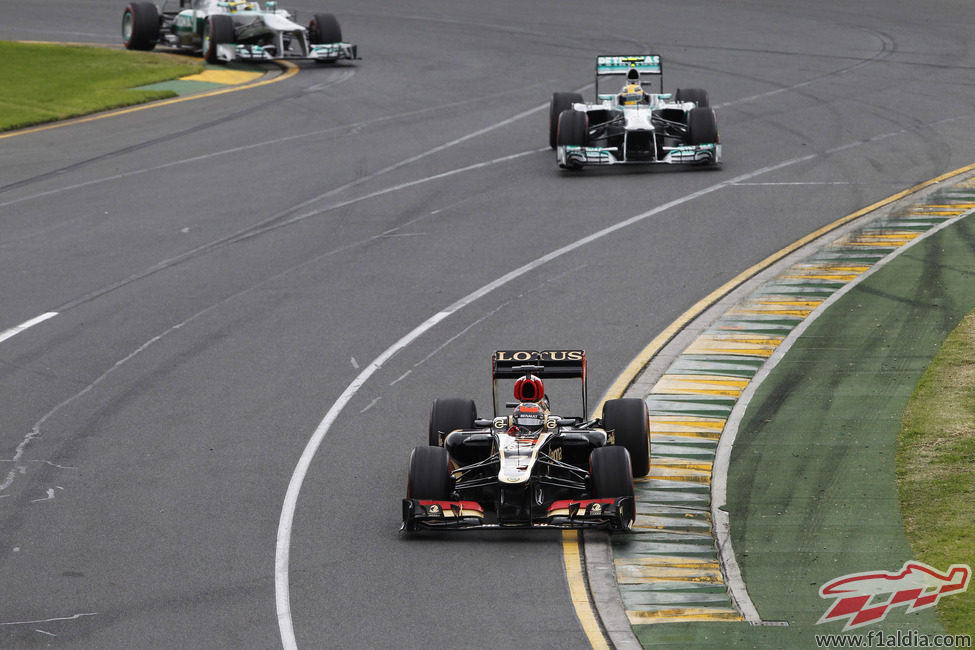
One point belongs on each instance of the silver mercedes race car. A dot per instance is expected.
(232, 30)
(634, 126)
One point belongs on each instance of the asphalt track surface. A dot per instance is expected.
(223, 270)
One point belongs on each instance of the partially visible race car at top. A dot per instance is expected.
(634, 125)
(232, 30)
(527, 466)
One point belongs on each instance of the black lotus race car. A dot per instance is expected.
(527, 467)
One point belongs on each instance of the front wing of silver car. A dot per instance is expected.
(319, 52)
(574, 157)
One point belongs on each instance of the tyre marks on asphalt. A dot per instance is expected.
(668, 568)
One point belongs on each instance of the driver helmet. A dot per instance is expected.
(633, 90)
(529, 417)
(529, 388)
(632, 94)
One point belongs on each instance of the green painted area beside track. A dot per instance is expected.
(811, 487)
(812, 492)
(212, 77)
(42, 82)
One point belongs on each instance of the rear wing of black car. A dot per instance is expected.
(545, 364)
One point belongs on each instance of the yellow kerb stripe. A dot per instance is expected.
(578, 592)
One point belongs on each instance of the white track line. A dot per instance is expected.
(14, 331)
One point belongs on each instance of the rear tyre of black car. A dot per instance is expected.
(628, 419)
(610, 473)
(140, 26)
(560, 102)
(448, 414)
(324, 28)
(697, 95)
(702, 126)
(429, 475)
(218, 29)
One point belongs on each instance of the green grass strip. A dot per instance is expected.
(936, 467)
(812, 489)
(43, 82)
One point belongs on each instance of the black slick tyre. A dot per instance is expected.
(573, 131)
(140, 26)
(324, 28)
(628, 419)
(429, 474)
(610, 473)
(560, 102)
(219, 29)
(697, 95)
(448, 414)
(702, 126)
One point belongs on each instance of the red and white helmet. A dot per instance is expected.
(529, 389)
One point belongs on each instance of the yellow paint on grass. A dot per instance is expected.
(673, 561)
(745, 344)
(683, 615)
(776, 307)
(700, 384)
(632, 574)
(228, 77)
(686, 426)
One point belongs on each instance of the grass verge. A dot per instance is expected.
(42, 82)
(936, 467)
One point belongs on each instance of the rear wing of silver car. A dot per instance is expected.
(618, 65)
(545, 364)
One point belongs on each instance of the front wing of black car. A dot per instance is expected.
(613, 514)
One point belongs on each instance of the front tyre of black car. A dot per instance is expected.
(611, 475)
(429, 474)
